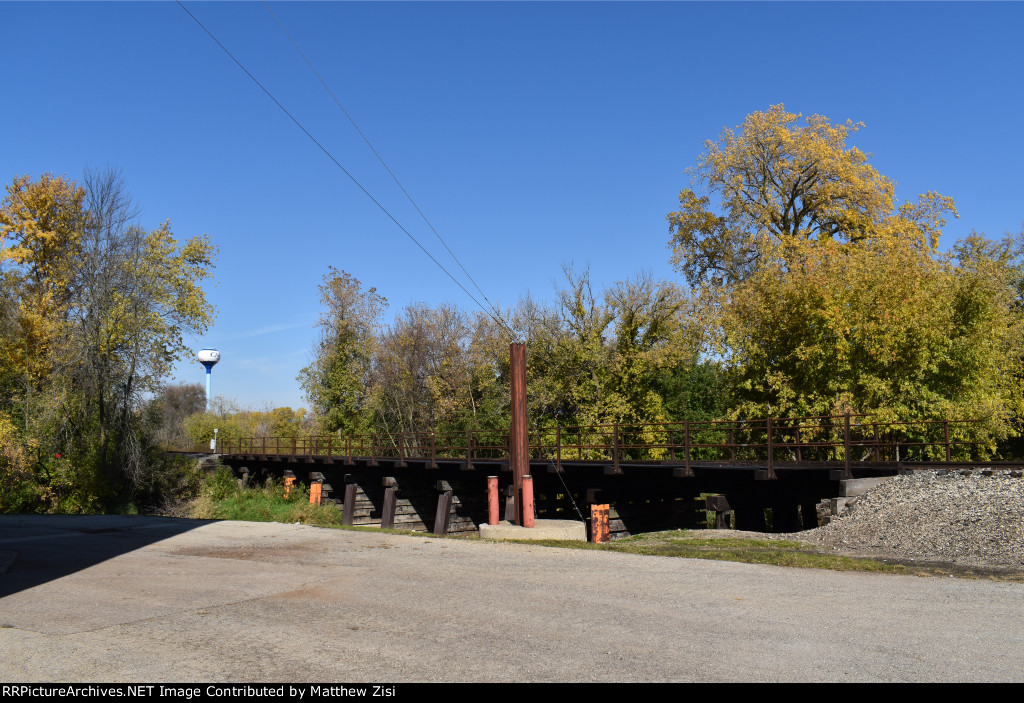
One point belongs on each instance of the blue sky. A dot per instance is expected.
(531, 134)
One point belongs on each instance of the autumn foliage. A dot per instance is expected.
(94, 313)
(809, 290)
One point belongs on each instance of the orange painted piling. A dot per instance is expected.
(527, 501)
(492, 500)
(288, 483)
(315, 493)
(599, 531)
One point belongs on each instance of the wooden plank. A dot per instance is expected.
(349, 506)
(443, 515)
(387, 519)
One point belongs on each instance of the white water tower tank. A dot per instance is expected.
(209, 359)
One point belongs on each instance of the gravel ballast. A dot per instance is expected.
(966, 517)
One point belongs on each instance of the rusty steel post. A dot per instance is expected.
(518, 440)
(492, 500)
(945, 431)
(527, 501)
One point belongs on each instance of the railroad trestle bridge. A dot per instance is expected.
(653, 475)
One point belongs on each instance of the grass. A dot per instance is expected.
(679, 543)
(223, 499)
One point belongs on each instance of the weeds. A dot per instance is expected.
(223, 499)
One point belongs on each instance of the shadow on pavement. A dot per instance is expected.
(36, 549)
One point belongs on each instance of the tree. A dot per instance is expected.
(336, 381)
(95, 313)
(775, 180)
(826, 297)
(419, 377)
(169, 410)
(139, 294)
(889, 330)
(40, 232)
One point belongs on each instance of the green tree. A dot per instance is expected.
(824, 296)
(336, 381)
(102, 307)
(890, 330)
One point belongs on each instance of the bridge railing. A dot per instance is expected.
(851, 439)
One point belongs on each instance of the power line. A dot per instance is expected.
(379, 157)
(345, 171)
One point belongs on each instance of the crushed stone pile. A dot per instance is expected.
(967, 517)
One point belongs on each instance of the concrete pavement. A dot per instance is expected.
(137, 599)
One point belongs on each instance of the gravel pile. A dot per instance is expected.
(969, 517)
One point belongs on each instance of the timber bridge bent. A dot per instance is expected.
(653, 475)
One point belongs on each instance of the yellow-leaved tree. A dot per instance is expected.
(776, 179)
(95, 311)
(827, 297)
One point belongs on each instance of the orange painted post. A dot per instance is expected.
(599, 531)
(315, 491)
(288, 483)
(527, 501)
(492, 500)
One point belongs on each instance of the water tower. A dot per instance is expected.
(209, 359)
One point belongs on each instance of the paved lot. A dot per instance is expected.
(154, 599)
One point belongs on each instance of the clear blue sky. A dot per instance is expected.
(531, 134)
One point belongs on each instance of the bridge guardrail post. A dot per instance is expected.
(615, 446)
(686, 445)
(558, 449)
(945, 431)
(846, 444)
(771, 468)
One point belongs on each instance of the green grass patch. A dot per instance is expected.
(223, 499)
(770, 551)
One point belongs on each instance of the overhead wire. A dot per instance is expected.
(337, 163)
(379, 157)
